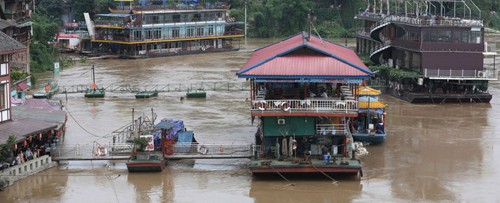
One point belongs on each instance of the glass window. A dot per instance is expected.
(175, 32)
(444, 36)
(2, 97)
(475, 37)
(415, 63)
(200, 31)
(210, 29)
(190, 31)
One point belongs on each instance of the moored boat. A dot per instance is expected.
(369, 126)
(94, 92)
(47, 92)
(301, 131)
(196, 94)
(141, 95)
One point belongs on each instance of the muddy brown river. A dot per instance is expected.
(447, 152)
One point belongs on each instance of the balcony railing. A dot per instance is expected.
(485, 73)
(100, 36)
(423, 20)
(331, 129)
(305, 106)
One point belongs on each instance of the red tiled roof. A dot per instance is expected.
(293, 65)
(22, 86)
(285, 59)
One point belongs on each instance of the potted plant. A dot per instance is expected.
(141, 143)
(7, 149)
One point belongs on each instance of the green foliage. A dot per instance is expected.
(366, 60)
(51, 8)
(7, 148)
(392, 74)
(91, 7)
(141, 143)
(495, 21)
(17, 75)
(278, 18)
(84, 59)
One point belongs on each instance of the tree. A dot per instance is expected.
(7, 148)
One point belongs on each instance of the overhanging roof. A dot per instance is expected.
(23, 128)
(368, 91)
(5, 23)
(164, 125)
(372, 105)
(8, 45)
(296, 57)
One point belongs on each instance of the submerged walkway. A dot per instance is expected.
(178, 151)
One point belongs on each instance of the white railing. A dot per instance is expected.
(182, 150)
(86, 152)
(27, 167)
(485, 73)
(425, 20)
(331, 129)
(304, 106)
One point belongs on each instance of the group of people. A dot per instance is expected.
(323, 95)
(27, 155)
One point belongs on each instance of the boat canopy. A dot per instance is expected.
(367, 91)
(164, 125)
(366, 98)
(372, 105)
(376, 110)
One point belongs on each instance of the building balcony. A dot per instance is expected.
(462, 74)
(412, 19)
(307, 107)
(111, 37)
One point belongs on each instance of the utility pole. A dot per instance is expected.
(245, 20)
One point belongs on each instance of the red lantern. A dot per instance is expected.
(15, 146)
(24, 143)
(31, 138)
(59, 134)
(40, 135)
(48, 134)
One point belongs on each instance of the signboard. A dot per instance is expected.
(311, 80)
(82, 24)
(70, 25)
(62, 35)
(56, 67)
(151, 145)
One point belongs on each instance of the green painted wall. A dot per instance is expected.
(293, 124)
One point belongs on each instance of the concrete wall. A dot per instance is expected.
(10, 175)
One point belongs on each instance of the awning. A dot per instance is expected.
(164, 125)
(366, 98)
(27, 23)
(367, 91)
(21, 87)
(5, 23)
(372, 105)
(123, 15)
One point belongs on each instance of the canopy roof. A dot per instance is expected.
(297, 58)
(373, 105)
(367, 91)
(164, 125)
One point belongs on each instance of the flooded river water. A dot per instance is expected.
(447, 152)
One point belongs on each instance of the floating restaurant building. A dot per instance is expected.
(447, 51)
(157, 29)
(303, 92)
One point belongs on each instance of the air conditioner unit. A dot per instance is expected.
(281, 121)
(481, 74)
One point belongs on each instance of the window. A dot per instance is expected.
(149, 34)
(157, 33)
(475, 37)
(3, 104)
(189, 17)
(430, 35)
(200, 31)
(175, 32)
(461, 37)
(210, 30)
(138, 34)
(444, 36)
(415, 63)
(177, 18)
(190, 31)
(197, 17)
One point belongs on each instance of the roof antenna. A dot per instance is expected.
(309, 26)
(322, 42)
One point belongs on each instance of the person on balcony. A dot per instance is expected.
(311, 94)
(29, 154)
(324, 94)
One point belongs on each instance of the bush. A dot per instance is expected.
(7, 148)
(141, 143)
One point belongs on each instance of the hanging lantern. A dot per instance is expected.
(30, 138)
(48, 134)
(24, 143)
(15, 146)
(40, 136)
(59, 134)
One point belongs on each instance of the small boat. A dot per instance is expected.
(47, 92)
(196, 94)
(369, 126)
(141, 95)
(172, 139)
(146, 162)
(94, 92)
